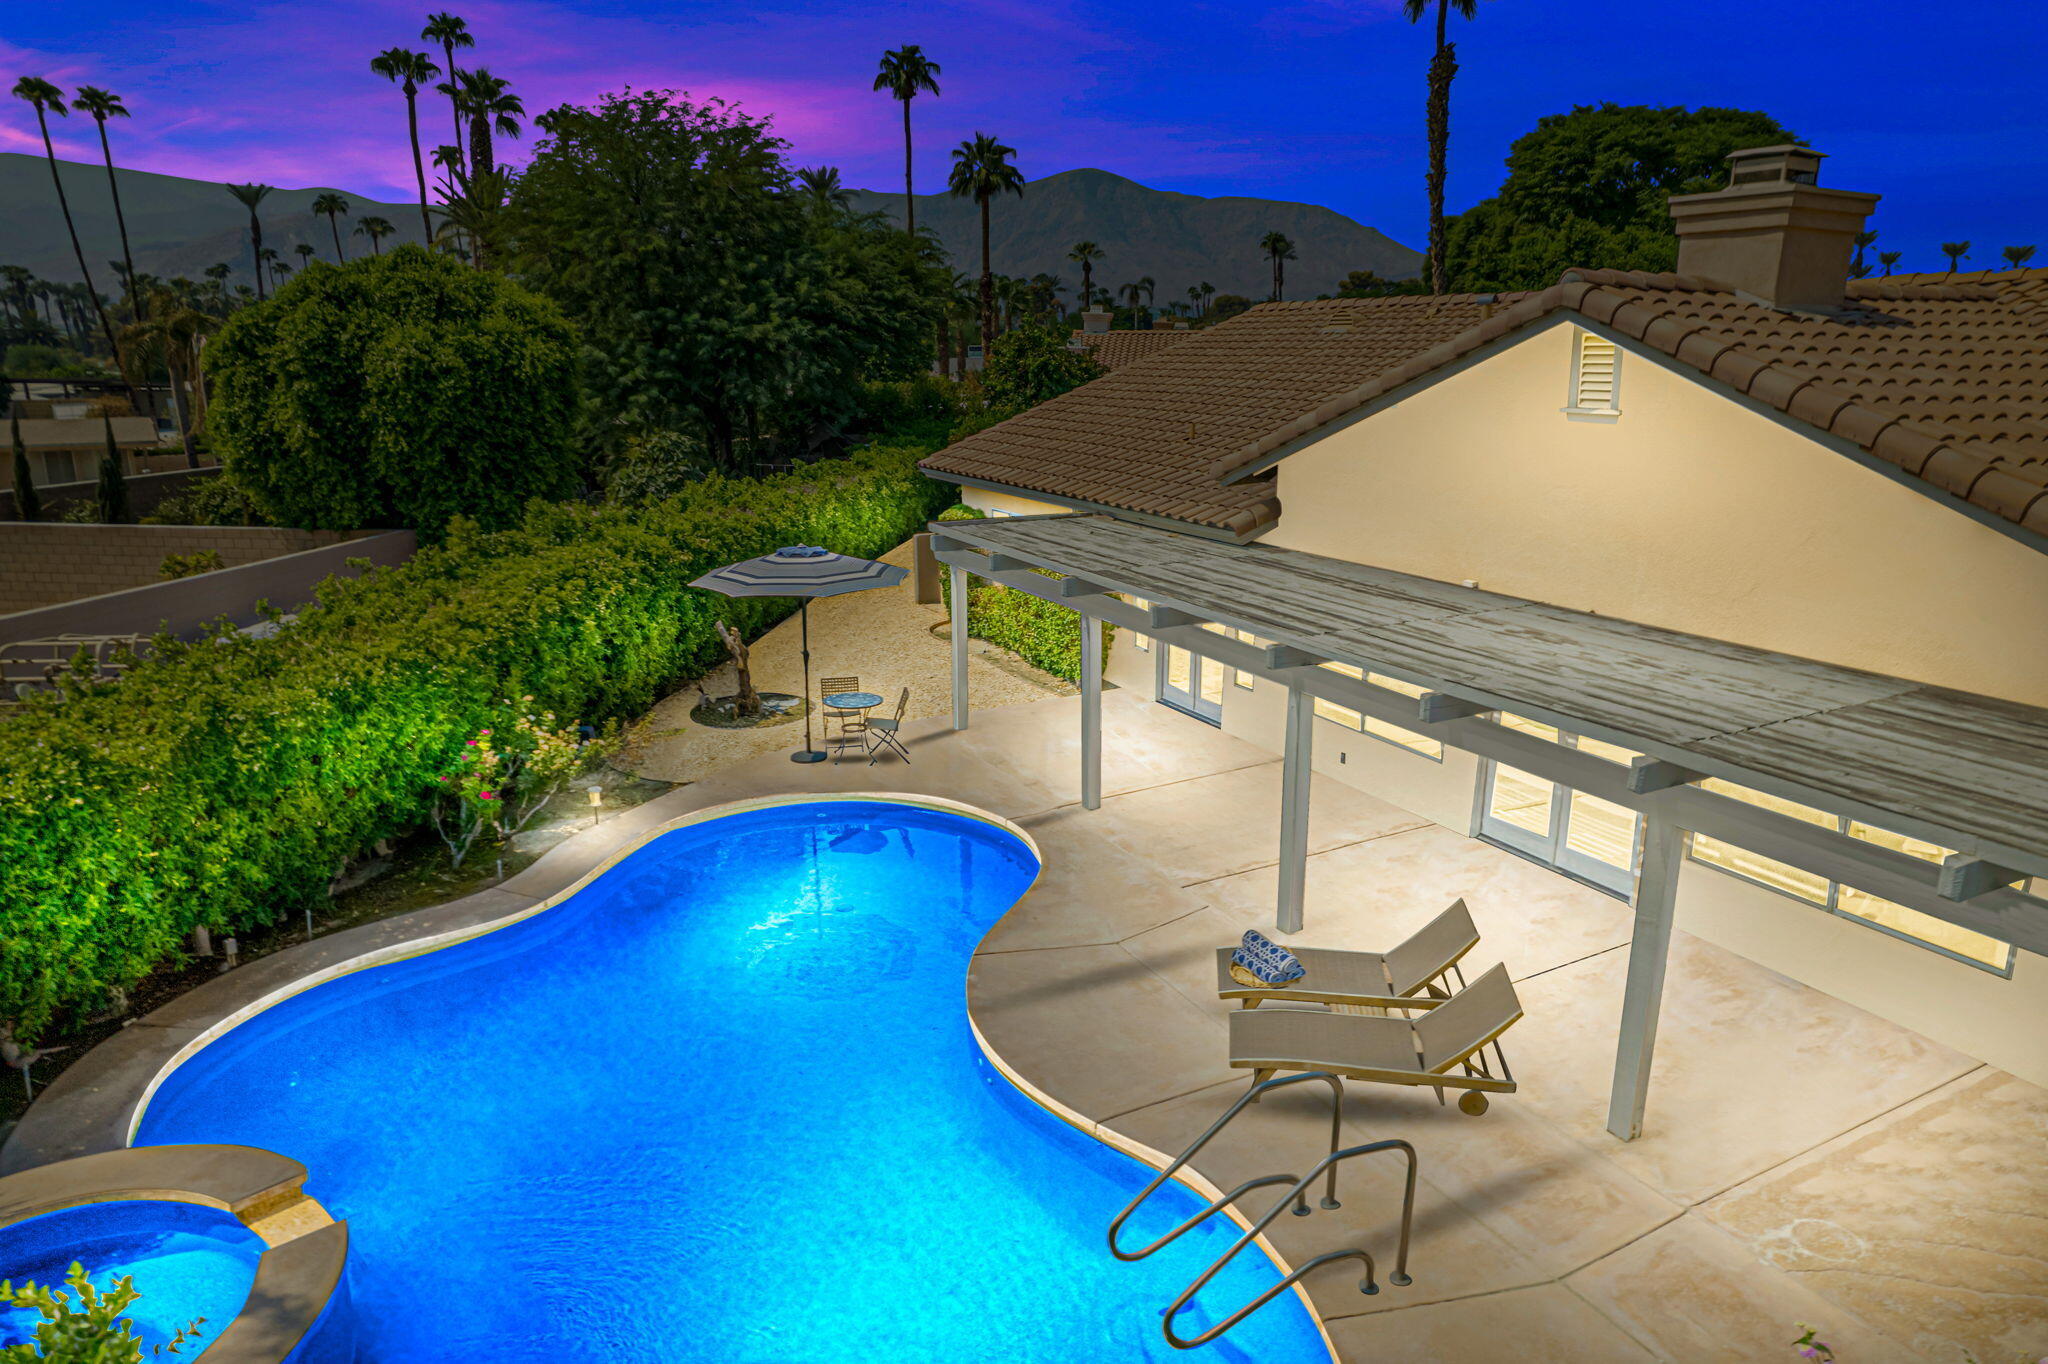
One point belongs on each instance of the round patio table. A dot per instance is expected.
(862, 701)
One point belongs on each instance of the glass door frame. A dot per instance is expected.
(1552, 848)
(1203, 696)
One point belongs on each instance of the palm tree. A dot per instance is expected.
(903, 73)
(820, 184)
(1208, 292)
(411, 70)
(1151, 290)
(172, 334)
(488, 102)
(248, 196)
(982, 169)
(332, 206)
(1857, 269)
(1278, 251)
(471, 209)
(1085, 254)
(376, 229)
(2016, 257)
(1957, 253)
(44, 97)
(1442, 67)
(451, 32)
(1133, 295)
(1888, 259)
(103, 105)
(306, 253)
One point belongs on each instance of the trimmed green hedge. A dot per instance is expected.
(224, 782)
(1044, 634)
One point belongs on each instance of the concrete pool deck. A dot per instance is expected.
(1802, 1161)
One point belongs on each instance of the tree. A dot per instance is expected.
(472, 209)
(1443, 66)
(982, 169)
(488, 103)
(410, 70)
(451, 32)
(1957, 253)
(170, 334)
(305, 252)
(1085, 254)
(28, 506)
(399, 392)
(1590, 188)
(376, 229)
(112, 494)
(1278, 251)
(2016, 257)
(332, 206)
(1207, 291)
(249, 196)
(709, 298)
(904, 72)
(46, 99)
(1227, 306)
(1031, 364)
(1864, 241)
(1888, 259)
(1366, 284)
(821, 187)
(103, 105)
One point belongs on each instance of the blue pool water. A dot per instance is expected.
(187, 1262)
(722, 1105)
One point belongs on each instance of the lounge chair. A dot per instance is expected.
(1373, 979)
(1443, 1049)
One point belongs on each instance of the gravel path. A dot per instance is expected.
(885, 637)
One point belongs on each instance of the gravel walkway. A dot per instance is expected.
(885, 637)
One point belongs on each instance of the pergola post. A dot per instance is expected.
(1295, 770)
(1091, 712)
(959, 630)
(1649, 949)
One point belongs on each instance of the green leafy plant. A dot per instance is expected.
(214, 501)
(222, 780)
(402, 391)
(503, 776)
(1031, 364)
(1042, 633)
(84, 1326)
(191, 565)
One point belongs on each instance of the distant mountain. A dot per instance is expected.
(179, 227)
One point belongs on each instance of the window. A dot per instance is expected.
(1596, 375)
(1850, 903)
(1238, 676)
(1140, 641)
(58, 468)
(1372, 724)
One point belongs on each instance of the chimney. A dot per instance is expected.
(1095, 322)
(1773, 233)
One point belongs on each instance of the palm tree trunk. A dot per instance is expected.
(335, 228)
(106, 327)
(988, 288)
(479, 146)
(256, 250)
(1442, 68)
(121, 220)
(419, 167)
(909, 205)
(454, 105)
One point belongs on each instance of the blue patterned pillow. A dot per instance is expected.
(1261, 963)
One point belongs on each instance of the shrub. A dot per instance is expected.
(215, 501)
(1044, 634)
(222, 782)
(191, 565)
(656, 466)
(401, 391)
(1032, 364)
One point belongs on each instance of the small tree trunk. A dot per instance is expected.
(746, 701)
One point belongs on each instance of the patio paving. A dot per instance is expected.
(1804, 1160)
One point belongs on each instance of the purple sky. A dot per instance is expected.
(1313, 100)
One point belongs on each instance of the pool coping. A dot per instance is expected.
(96, 1104)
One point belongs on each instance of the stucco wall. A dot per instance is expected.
(1687, 511)
(1690, 512)
(984, 500)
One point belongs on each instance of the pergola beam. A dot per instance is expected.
(2002, 911)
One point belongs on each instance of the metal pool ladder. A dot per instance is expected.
(1297, 1193)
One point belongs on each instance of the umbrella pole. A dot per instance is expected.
(809, 754)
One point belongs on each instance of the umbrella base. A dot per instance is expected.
(807, 755)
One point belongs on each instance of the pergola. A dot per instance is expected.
(1962, 771)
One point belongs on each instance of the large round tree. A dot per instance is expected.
(400, 391)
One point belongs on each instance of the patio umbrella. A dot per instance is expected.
(803, 572)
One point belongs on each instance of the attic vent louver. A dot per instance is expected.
(1595, 375)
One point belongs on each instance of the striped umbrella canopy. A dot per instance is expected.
(800, 571)
(803, 572)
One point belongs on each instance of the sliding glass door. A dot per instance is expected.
(1190, 682)
(1585, 836)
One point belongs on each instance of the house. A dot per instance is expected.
(1722, 590)
(65, 440)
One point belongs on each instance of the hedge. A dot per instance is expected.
(1044, 634)
(223, 782)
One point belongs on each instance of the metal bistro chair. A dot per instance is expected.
(888, 732)
(852, 723)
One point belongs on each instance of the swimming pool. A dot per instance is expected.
(722, 1104)
(187, 1262)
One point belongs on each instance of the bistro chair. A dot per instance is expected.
(887, 731)
(851, 722)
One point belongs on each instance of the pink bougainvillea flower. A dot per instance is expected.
(486, 795)
(470, 742)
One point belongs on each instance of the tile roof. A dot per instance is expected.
(1944, 376)
(1114, 350)
(1145, 436)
